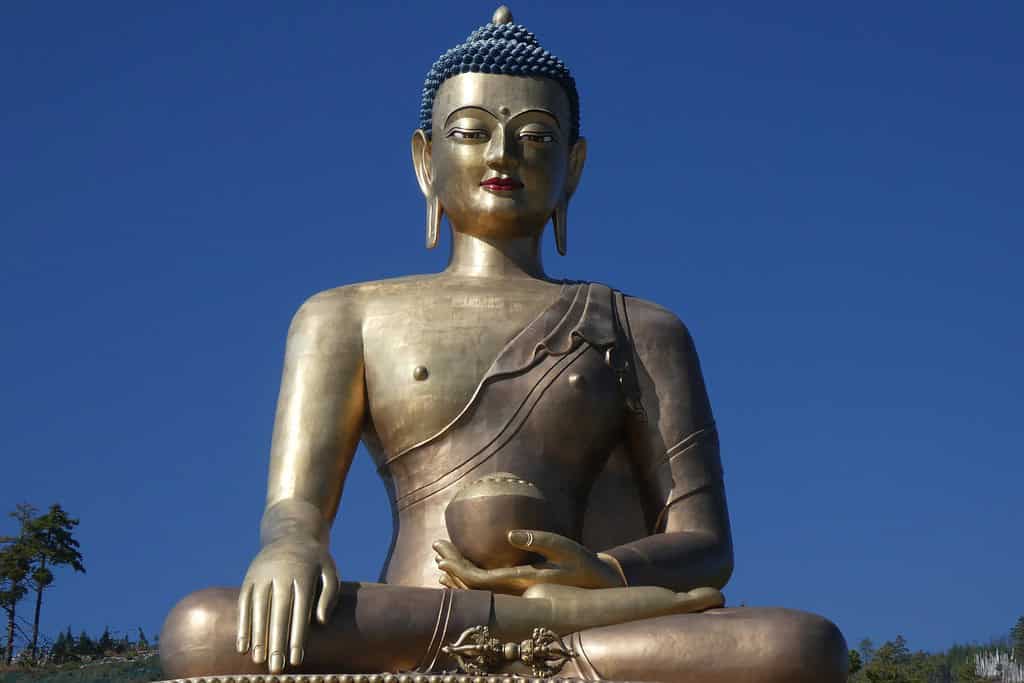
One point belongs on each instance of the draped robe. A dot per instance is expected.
(553, 408)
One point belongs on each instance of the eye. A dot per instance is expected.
(467, 134)
(536, 136)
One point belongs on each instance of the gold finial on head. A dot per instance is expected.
(502, 15)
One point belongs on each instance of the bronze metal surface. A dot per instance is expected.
(483, 513)
(375, 678)
(490, 367)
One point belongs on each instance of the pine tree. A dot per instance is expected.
(105, 643)
(890, 663)
(84, 645)
(1017, 640)
(51, 544)
(61, 648)
(15, 563)
(143, 643)
(855, 662)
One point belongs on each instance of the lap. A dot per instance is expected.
(728, 644)
(717, 646)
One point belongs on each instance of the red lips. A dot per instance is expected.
(501, 184)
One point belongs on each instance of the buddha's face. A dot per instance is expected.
(500, 160)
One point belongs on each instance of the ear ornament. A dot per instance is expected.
(434, 213)
(560, 220)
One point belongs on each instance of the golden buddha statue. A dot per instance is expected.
(563, 422)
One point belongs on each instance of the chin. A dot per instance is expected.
(513, 228)
(501, 220)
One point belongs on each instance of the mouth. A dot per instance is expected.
(501, 184)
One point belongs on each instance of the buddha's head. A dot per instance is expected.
(498, 148)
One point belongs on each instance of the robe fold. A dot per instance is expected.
(551, 408)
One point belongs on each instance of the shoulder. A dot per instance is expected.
(348, 302)
(333, 318)
(654, 326)
(670, 370)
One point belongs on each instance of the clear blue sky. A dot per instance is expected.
(829, 194)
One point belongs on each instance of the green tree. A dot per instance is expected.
(143, 643)
(866, 648)
(15, 564)
(966, 672)
(1017, 640)
(106, 642)
(51, 544)
(890, 663)
(855, 662)
(84, 645)
(62, 647)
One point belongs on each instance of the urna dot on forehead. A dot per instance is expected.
(499, 47)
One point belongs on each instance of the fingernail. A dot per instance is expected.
(520, 537)
(276, 662)
(257, 654)
(296, 656)
(242, 645)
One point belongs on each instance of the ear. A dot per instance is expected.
(577, 158)
(421, 162)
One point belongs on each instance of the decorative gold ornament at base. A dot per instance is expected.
(476, 652)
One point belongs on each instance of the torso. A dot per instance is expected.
(451, 327)
(455, 328)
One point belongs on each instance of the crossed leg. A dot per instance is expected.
(379, 627)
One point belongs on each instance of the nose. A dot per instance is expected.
(502, 155)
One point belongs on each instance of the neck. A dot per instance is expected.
(500, 258)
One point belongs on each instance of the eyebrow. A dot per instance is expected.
(488, 111)
(538, 111)
(470, 106)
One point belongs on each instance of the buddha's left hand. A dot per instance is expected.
(566, 563)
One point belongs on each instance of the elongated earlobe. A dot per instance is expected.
(434, 213)
(424, 176)
(560, 220)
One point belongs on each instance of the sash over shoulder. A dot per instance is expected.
(584, 315)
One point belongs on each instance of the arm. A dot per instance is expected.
(675, 453)
(320, 412)
(319, 417)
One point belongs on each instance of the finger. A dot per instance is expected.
(700, 599)
(329, 591)
(447, 550)
(301, 606)
(244, 619)
(280, 618)
(462, 571)
(505, 579)
(522, 577)
(260, 617)
(554, 547)
(449, 581)
(452, 581)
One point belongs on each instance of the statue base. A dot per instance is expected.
(374, 678)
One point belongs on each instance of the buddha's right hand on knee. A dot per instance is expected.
(276, 600)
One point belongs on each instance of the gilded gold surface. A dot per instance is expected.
(440, 377)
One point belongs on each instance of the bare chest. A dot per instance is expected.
(425, 357)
